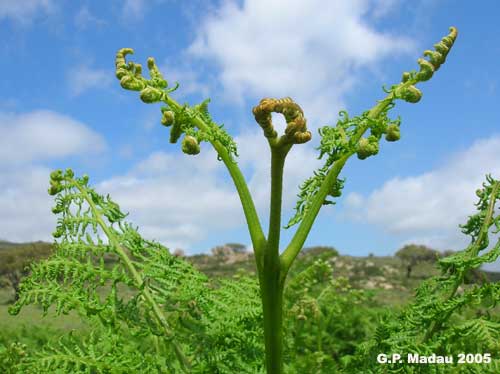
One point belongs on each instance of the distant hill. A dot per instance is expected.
(364, 272)
(493, 276)
(4, 244)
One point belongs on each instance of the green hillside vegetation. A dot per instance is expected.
(383, 274)
(362, 289)
(6, 245)
(15, 259)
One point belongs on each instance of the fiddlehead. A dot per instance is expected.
(296, 130)
(346, 138)
(192, 121)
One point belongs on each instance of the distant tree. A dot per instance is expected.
(237, 247)
(228, 249)
(413, 254)
(179, 253)
(221, 252)
(475, 276)
(321, 250)
(15, 261)
(309, 255)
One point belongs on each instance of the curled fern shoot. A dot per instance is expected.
(296, 130)
(193, 121)
(338, 143)
(197, 126)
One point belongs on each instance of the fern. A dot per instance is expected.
(317, 339)
(436, 321)
(195, 122)
(91, 227)
(153, 311)
(340, 142)
(126, 285)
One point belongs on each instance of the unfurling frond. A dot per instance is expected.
(296, 130)
(346, 138)
(193, 121)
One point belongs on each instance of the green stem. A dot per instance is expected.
(278, 156)
(272, 306)
(253, 222)
(275, 268)
(304, 228)
(139, 281)
(270, 279)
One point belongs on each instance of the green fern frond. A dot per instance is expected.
(90, 233)
(103, 269)
(192, 121)
(100, 352)
(480, 330)
(345, 138)
(435, 322)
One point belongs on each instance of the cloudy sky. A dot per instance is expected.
(61, 106)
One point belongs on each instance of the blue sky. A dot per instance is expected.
(61, 106)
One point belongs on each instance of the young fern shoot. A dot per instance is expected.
(131, 287)
(338, 144)
(196, 125)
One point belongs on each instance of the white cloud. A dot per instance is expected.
(83, 78)
(310, 50)
(25, 204)
(85, 19)
(133, 9)
(26, 141)
(43, 135)
(180, 199)
(428, 208)
(176, 199)
(24, 11)
(385, 7)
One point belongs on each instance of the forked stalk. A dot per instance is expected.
(338, 144)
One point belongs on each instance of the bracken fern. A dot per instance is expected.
(145, 292)
(153, 312)
(448, 316)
